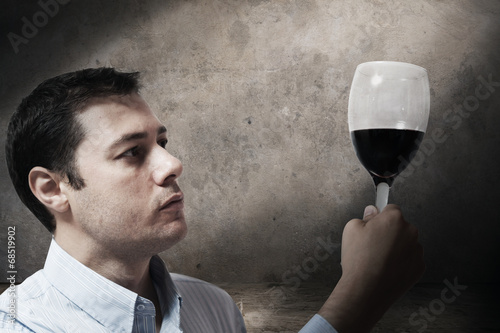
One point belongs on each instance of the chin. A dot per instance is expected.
(177, 231)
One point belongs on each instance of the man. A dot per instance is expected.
(87, 156)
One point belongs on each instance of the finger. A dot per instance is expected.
(369, 213)
(393, 213)
(392, 207)
(352, 226)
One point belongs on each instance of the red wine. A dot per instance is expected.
(385, 152)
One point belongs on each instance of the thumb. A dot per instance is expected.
(369, 213)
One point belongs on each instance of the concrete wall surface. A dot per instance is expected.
(254, 94)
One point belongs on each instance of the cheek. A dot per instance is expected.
(134, 190)
(108, 212)
(117, 188)
(113, 181)
(126, 198)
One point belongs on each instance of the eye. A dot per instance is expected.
(132, 152)
(163, 143)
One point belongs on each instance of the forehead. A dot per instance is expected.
(107, 118)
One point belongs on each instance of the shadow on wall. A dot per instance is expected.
(455, 169)
(33, 42)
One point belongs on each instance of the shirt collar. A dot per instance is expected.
(107, 302)
(170, 300)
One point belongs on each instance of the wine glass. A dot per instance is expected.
(388, 113)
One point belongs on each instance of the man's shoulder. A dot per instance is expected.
(189, 286)
(207, 305)
(19, 302)
(185, 281)
(34, 286)
(176, 277)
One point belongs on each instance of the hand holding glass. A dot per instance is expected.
(388, 113)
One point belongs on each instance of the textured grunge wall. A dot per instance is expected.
(254, 94)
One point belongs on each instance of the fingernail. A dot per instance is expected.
(370, 210)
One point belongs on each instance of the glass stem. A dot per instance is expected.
(382, 195)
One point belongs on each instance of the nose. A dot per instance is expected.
(166, 167)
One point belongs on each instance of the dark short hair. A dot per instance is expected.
(44, 130)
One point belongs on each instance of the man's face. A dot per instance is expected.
(131, 202)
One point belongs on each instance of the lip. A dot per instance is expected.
(175, 202)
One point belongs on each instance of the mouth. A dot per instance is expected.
(175, 202)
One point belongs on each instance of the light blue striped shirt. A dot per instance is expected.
(67, 296)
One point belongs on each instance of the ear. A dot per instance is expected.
(45, 185)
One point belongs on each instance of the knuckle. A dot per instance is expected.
(352, 225)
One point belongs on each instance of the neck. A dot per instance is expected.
(133, 276)
(128, 270)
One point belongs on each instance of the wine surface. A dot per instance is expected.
(385, 152)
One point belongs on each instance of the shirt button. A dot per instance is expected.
(140, 307)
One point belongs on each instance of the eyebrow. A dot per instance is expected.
(135, 136)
